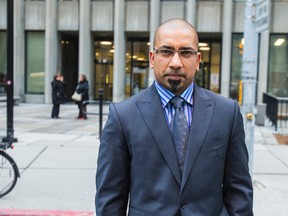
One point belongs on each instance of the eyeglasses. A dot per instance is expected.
(168, 53)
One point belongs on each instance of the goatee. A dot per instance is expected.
(174, 85)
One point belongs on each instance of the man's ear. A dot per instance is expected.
(199, 56)
(151, 58)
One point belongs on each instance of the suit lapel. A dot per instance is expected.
(203, 108)
(154, 117)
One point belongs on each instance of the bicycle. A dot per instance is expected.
(9, 171)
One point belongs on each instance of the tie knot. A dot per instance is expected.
(177, 102)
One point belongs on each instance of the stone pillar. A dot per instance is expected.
(19, 49)
(191, 12)
(51, 40)
(119, 54)
(85, 44)
(226, 47)
(154, 22)
(263, 65)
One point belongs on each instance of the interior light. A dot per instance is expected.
(242, 41)
(203, 44)
(279, 42)
(111, 51)
(204, 48)
(106, 43)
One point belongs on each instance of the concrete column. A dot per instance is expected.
(263, 65)
(85, 45)
(51, 40)
(119, 54)
(191, 12)
(154, 22)
(226, 47)
(19, 49)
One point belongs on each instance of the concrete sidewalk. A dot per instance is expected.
(57, 162)
(56, 158)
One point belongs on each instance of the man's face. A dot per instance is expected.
(174, 72)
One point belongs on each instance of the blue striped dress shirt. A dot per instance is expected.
(166, 96)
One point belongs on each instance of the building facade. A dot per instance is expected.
(109, 41)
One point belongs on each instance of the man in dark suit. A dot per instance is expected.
(140, 169)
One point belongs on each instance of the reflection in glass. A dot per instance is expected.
(278, 66)
(35, 62)
(236, 66)
(137, 66)
(208, 75)
(104, 52)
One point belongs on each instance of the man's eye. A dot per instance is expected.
(166, 52)
(186, 53)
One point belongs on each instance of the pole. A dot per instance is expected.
(10, 73)
(100, 110)
(249, 71)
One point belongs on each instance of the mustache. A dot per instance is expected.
(174, 73)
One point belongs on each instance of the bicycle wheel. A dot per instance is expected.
(8, 173)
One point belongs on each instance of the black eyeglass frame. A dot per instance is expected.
(172, 52)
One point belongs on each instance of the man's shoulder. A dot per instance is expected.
(207, 94)
(142, 96)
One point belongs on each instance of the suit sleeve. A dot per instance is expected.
(113, 169)
(237, 186)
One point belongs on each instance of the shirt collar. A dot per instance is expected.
(166, 95)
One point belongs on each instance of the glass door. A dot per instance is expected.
(208, 75)
(104, 53)
(137, 66)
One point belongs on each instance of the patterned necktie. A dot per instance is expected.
(180, 131)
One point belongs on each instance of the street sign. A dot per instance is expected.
(262, 15)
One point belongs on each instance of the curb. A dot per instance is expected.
(24, 212)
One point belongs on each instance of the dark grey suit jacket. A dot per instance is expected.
(137, 163)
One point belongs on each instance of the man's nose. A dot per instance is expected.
(175, 61)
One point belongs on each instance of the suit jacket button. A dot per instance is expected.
(183, 205)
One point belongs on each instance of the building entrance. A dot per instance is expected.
(137, 66)
(209, 72)
(104, 53)
(69, 62)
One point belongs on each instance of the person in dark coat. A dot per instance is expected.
(83, 89)
(57, 95)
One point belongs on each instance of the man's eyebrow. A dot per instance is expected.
(186, 48)
(167, 47)
(181, 48)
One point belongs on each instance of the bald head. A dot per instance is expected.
(175, 24)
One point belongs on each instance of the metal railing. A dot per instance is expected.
(276, 110)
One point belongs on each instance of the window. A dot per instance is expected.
(208, 75)
(236, 67)
(35, 62)
(137, 66)
(278, 65)
(3, 61)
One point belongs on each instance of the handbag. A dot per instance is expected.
(76, 96)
